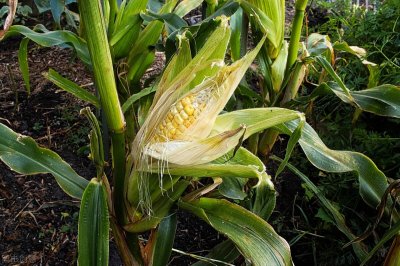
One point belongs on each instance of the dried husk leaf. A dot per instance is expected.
(12, 4)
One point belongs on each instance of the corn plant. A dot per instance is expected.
(183, 135)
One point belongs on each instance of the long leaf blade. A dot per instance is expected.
(72, 87)
(381, 100)
(93, 228)
(23, 63)
(373, 181)
(163, 240)
(253, 236)
(53, 38)
(23, 155)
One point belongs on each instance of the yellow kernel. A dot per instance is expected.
(169, 116)
(186, 123)
(175, 123)
(186, 101)
(169, 126)
(179, 106)
(182, 128)
(178, 119)
(183, 115)
(171, 133)
(174, 111)
(189, 110)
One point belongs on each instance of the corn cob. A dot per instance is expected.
(181, 116)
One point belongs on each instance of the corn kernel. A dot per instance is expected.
(178, 119)
(183, 115)
(186, 102)
(179, 106)
(189, 110)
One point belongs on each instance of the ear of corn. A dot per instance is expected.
(174, 85)
(190, 119)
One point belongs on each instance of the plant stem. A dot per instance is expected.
(104, 76)
(96, 39)
(296, 33)
(105, 83)
(123, 246)
(118, 160)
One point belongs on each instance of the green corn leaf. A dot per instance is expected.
(23, 155)
(23, 63)
(72, 87)
(172, 21)
(294, 138)
(275, 10)
(329, 69)
(318, 44)
(233, 188)
(45, 5)
(236, 27)
(278, 67)
(137, 96)
(355, 50)
(373, 182)
(127, 27)
(253, 236)
(93, 227)
(255, 120)
(185, 6)
(337, 217)
(57, 8)
(155, 5)
(264, 200)
(381, 100)
(264, 23)
(96, 142)
(142, 47)
(60, 38)
(228, 9)
(162, 241)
